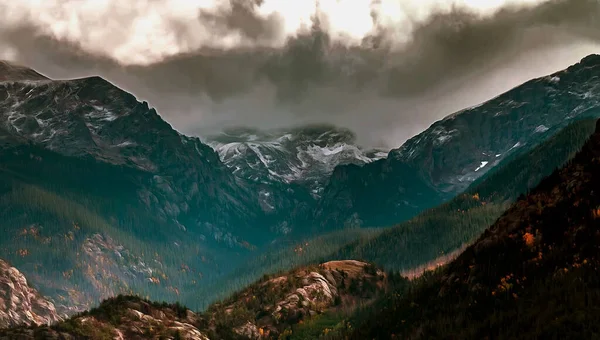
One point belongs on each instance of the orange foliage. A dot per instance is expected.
(596, 213)
(529, 239)
(476, 196)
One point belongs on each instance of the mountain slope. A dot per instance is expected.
(273, 305)
(533, 274)
(12, 72)
(19, 303)
(432, 237)
(264, 310)
(100, 196)
(444, 229)
(445, 159)
(123, 317)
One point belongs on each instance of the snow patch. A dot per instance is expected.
(518, 144)
(483, 164)
(540, 129)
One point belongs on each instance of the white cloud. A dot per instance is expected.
(146, 31)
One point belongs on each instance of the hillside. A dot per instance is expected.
(20, 304)
(122, 317)
(444, 229)
(100, 196)
(266, 309)
(533, 274)
(434, 236)
(451, 154)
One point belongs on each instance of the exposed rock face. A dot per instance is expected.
(306, 155)
(19, 303)
(121, 318)
(268, 308)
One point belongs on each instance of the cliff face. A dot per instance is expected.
(272, 307)
(19, 303)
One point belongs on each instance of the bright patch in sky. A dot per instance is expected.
(147, 31)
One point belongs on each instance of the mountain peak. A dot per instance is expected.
(13, 72)
(591, 59)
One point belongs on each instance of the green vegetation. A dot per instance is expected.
(532, 275)
(51, 205)
(279, 260)
(441, 230)
(431, 235)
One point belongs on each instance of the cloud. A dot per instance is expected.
(387, 69)
(141, 32)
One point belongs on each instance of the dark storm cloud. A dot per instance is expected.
(385, 93)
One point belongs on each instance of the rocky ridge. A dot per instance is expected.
(445, 159)
(19, 303)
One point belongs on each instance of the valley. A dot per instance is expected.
(297, 233)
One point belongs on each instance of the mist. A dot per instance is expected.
(387, 71)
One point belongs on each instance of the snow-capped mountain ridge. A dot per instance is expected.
(564, 85)
(305, 155)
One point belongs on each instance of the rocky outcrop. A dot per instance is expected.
(268, 308)
(122, 318)
(19, 303)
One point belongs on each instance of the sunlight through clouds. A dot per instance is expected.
(140, 32)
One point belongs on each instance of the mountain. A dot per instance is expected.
(19, 303)
(434, 236)
(445, 159)
(122, 317)
(305, 155)
(440, 231)
(267, 309)
(533, 274)
(271, 307)
(100, 196)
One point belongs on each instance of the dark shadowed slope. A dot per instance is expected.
(446, 228)
(533, 274)
(444, 160)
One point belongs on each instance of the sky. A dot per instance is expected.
(385, 69)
